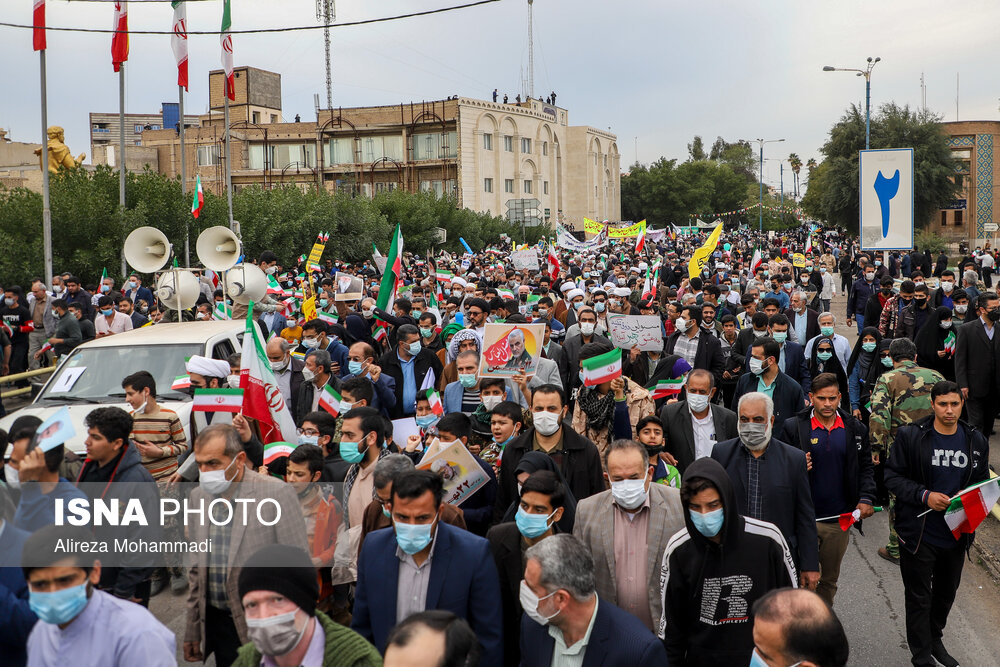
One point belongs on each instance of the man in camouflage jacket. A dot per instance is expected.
(901, 396)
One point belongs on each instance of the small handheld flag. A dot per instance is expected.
(602, 368)
(437, 407)
(181, 382)
(275, 450)
(665, 388)
(218, 400)
(329, 400)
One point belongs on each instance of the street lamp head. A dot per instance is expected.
(877, 59)
(829, 68)
(869, 58)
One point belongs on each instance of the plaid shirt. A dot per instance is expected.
(686, 347)
(218, 560)
(755, 502)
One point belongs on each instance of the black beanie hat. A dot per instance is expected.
(283, 569)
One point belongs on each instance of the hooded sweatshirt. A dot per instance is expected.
(709, 588)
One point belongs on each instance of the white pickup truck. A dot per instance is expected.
(105, 362)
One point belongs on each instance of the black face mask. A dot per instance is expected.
(993, 315)
(920, 302)
(653, 451)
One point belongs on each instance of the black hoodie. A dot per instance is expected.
(709, 588)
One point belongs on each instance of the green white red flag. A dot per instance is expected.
(329, 400)
(180, 383)
(217, 400)
(968, 509)
(262, 398)
(199, 198)
(393, 272)
(602, 368)
(119, 40)
(665, 388)
(227, 50)
(275, 450)
(179, 42)
(949, 343)
(437, 407)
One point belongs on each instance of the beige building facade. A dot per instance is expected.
(973, 216)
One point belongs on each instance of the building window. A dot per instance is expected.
(488, 184)
(339, 151)
(525, 145)
(435, 145)
(375, 148)
(527, 187)
(138, 142)
(281, 156)
(545, 148)
(255, 117)
(545, 187)
(487, 142)
(274, 118)
(137, 129)
(958, 217)
(508, 185)
(508, 143)
(208, 156)
(944, 218)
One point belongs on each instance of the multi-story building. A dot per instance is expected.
(972, 216)
(104, 129)
(519, 160)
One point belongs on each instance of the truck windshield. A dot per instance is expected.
(96, 374)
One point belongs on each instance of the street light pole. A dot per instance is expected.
(867, 73)
(760, 217)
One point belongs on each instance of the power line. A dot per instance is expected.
(254, 31)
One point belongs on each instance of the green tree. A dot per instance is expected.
(892, 126)
(739, 156)
(667, 192)
(696, 150)
(812, 201)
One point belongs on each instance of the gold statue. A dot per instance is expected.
(59, 155)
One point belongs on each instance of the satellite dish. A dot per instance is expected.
(246, 283)
(147, 249)
(179, 295)
(218, 248)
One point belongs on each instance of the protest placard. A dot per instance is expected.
(524, 260)
(511, 348)
(457, 467)
(641, 331)
(349, 288)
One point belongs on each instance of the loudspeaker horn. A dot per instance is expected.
(218, 248)
(179, 295)
(147, 249)
(246, 283)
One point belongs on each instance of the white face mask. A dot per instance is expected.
(961, 308)
(587, 328)
(214, 482)
(630, 493)
(490, 402)
(529, 603)
(697, 402)
(681, 324)
(546, 423)
(234, 381)
(12, 475)
(308, 375)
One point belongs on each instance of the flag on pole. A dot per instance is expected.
(430, 379)
(199, 198)
(179, 43)
(262, 398)
(329, 400)
(809, 244)
(437, 407)
(756, 260)
(393, 272)
(602, 368)
(277, 449)
(700, 256)
(640, 241)
(273, 287)
(553, 262)
(217, 400)
(375, 250)
(222, 311)
(968, 509)
(949, 343)
(181, 382)
(38, 18)
(227, 50)
(665, 388)
(119, 41)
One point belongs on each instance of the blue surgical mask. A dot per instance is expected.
(308, 439)
(826, 331)
(599, 306)
(868, 347)
(105, 288)
(824, 356)
(413, 537)
(468, 380)
(323, 303)
(531, 525)
(780, 336)
(426, 421)
(59, 606)
(386, 513)
(446, 291)
(415, 314)
(107, 312)
(350, 453)
(354, 367)
(133, 284)
(415, 348)
(887, 362)
(708, 524)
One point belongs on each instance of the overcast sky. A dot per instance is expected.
(656, 72)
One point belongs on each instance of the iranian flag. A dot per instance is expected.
(553, 262)
(392, 277)
(217, 400)
(326, 317)
(277, 449)
(179, 43)
(119, 41)
(640, 241)
(756, 260)
(180, 383)
(444, 276)
(38, 18)
(329, 400)
(968, 509)
(199, 198)
(227, 50)
(649, 284)
(273, 287)
(809, 244)
(603, 368)
(222, 311)
(437, 407)
(665, 388)
(949, 343)
(45, 348)
(262, 399)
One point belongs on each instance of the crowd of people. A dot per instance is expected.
(618, 524)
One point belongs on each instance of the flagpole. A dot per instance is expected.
(187, 222)
(121, 146)
(229, 171)
(46, 211)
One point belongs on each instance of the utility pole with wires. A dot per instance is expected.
(326, 11)
(531, 52)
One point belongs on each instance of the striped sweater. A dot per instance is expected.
(161, 427)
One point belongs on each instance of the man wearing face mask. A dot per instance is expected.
(317, 373)
(842, 348)
(362, 444)
(67, 334)
(637, 518)
(804, 321)
(771, 482)
(424, 563)
(278, 590)
(914, 316)
(893, 307)
(695, 347)
(566, 621)
(206, 373)
(723, 562)
(576, 457)
(135, 292)
(361, 365)
(408, 365)
(215, 619)
(977, 362)
(574, 343)
(862, 290)
(960, 307)
(79, 624)
(287, 370)
(694, 425)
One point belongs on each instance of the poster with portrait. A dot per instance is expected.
(457, 467)
(511, 348)
(54, 431)
(349, 288)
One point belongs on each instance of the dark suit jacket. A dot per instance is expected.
(678, 434)
(617, 639)
(463, 580)
(788, 396)
(505, 544)
(709, 355)
(977, 358)
(18, 619)
(305, 397)
(812, 323)
(785, 492)
(557, 354)
(425, 361)
(278, 324)
(795, 364)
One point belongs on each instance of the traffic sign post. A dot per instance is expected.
(886, 193)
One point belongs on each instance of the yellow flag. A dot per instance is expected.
(309, 308)
(700, 256)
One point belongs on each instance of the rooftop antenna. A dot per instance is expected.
(531, 52)
(923, 92)
(326, 11)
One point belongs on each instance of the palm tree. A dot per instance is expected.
(796, 163)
